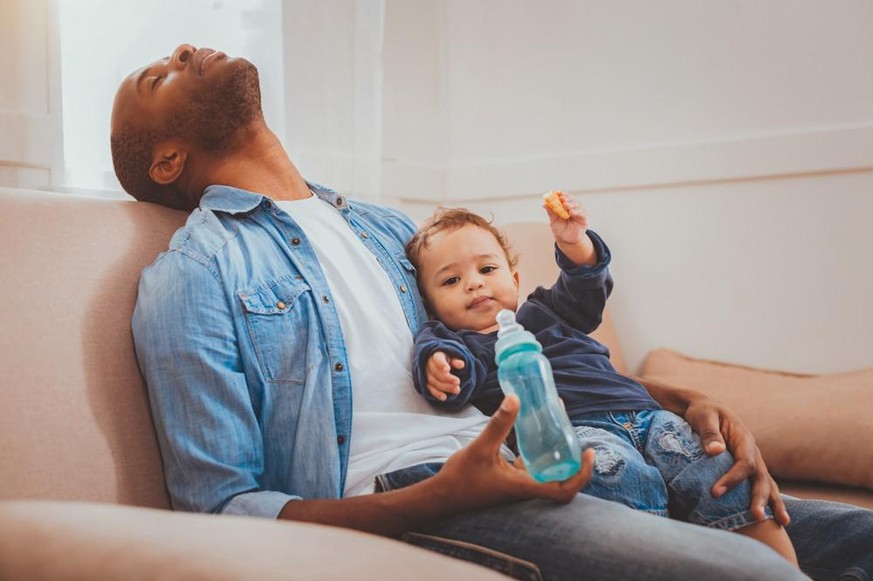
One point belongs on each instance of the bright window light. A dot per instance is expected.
(104, 40)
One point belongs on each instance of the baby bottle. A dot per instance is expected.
(545, 437)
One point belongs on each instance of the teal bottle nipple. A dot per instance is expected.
(512, 337)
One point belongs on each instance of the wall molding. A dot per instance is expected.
(773, 155)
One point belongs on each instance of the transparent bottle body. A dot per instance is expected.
(546, 439)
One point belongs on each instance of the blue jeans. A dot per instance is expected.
(652, 460)
(594, 539)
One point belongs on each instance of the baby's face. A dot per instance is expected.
(467, 278)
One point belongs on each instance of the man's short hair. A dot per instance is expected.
(132, 149)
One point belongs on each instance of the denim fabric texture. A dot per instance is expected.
(651, 460)
(593, 539)
(236, 338)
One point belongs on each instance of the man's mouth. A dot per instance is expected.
(204, 57)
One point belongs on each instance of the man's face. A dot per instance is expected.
(198, 95)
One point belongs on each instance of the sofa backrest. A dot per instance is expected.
(74, 414)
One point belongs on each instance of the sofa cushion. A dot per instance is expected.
(74, 414)
(67, 541)
(809, 427)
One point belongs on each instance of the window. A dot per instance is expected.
(101, 41)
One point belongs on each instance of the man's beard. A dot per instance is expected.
(218, 112)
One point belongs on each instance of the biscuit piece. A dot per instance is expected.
(557, 203)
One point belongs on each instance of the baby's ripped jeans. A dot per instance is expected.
(652, 461)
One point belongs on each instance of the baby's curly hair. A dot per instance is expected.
(452, 219)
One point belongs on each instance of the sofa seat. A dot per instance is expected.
(65, 541)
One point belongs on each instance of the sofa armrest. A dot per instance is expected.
(814, 428)
(77, 540)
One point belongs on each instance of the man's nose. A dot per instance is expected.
(182, 55)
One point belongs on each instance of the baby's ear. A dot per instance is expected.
(516, 277)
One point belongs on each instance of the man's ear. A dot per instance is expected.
(168, 162)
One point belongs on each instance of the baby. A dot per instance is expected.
(646, 457)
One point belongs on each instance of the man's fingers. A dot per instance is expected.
(765, 492)
(780, 513)
(566, 490)
(581, 478)
(737, 473)
(710, 436)
(457, 363)
(499, 425)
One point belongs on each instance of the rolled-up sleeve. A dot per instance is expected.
(207, 429)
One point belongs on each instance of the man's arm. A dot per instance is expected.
(719, 428)
(473, 478)
(208, 432)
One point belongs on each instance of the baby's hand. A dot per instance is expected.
(440, 379)
(567, 218)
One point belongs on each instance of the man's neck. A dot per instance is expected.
(261, 166)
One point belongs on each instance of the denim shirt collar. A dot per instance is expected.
(228, 199)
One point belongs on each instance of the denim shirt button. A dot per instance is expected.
(340, 201)
(364, 235)
(280, 305)
(325, 299)
(295, 241)
(403, 288)
(339, 367)
(340, 440)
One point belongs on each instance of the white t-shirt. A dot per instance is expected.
(392, 425)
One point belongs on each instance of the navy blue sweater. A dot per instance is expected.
(560, 317)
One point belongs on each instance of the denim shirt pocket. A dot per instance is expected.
(277, 316)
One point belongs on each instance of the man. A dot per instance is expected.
(275, 337)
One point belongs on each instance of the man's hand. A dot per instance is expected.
(718, 428)
(478, 476)
(474, 477)
(440, 380)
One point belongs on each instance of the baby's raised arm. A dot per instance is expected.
(569, 223)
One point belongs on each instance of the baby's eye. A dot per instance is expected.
(451, 280)
(487, 269)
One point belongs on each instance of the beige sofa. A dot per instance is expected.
(81, 486)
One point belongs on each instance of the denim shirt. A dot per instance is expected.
(244, 357)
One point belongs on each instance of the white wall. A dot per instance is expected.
(725, 149)
(773, 273)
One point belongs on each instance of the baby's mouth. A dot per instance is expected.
(478, 302)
